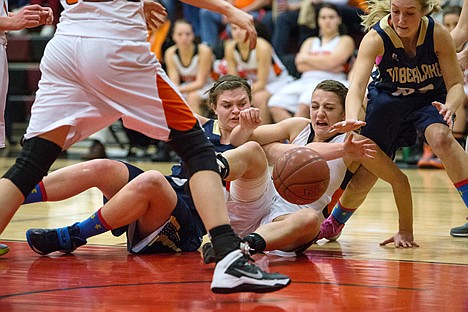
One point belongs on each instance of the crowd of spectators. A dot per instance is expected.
(298, 43)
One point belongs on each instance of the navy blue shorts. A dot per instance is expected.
(183, 232)
(394, 122)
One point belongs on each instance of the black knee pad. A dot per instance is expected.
(194, 149)
(32, 164)
(223, 166)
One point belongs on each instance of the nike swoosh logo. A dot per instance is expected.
(257, 275)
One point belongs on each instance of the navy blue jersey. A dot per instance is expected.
(213, 134)
(402, 75)
(400, 96)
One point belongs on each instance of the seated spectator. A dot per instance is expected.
(285, 24)
(189, 65)
(324, 57)
(261, 66)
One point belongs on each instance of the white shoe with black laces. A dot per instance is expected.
(234, 273)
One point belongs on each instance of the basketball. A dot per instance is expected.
(301, 176)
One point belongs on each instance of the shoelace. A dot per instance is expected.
(245, 249)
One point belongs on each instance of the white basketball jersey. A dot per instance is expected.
(3, 76)
(187, 73)
(337, 172)
(247, 69)
(319, 48)
(116, 19)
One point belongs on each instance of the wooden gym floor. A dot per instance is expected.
(352, 274)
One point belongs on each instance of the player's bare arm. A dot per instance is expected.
(370, 48)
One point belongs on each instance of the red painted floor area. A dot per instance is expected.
(110, 279)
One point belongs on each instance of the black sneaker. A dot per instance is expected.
(45, 241)
(460, 231)
(234, 274)
(208, 253)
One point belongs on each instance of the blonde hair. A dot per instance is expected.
(377, 9)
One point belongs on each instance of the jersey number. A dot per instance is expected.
(408, 91)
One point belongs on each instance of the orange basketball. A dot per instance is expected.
(301, 176)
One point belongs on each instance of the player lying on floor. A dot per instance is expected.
(157, 211)
(228, 96)
(327, 108)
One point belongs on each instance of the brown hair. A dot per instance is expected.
(333, 86)
(228, 82)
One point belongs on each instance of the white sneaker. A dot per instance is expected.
(234, 273)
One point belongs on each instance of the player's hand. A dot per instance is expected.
(359, 149)
(445, 112)
(28, 17)
(347, 125)
(155, 14)
(46, 16)
(250, 118)
(402, 239)
(246, 22)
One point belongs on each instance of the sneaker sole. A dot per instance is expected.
(459, 235)
(259, 289)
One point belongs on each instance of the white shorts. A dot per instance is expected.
(279, 83)
(297, 92)
(246, 214)
(89, 83)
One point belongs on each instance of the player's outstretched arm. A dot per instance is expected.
(384, 168)
(250, 129)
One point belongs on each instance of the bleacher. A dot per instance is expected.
(24, 54)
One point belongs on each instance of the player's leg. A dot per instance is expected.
(354, 195)
(109, 176)
(188, 140)
(455, 159)
(30, 167)
(287, 233)
(294, 232)
(246, 168)
(247, 161)
(233, 272)
(137, 200)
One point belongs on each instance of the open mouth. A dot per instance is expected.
(322, 124)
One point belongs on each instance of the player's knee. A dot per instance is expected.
(99, 167)
(438, 137)
(33, 164)
(148, 182)
(195, 150)
(308, 221)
